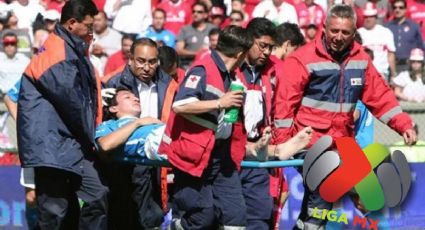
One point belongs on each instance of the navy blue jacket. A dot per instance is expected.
(57, 105)
(127, 80)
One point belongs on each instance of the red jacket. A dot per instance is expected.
(189, 139)
(317, 91)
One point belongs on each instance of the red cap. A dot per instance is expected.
(370, 9)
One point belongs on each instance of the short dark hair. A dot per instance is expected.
(403, 1)
(143, 41)
(198, 3)
(258, 27)
(159, 10)
(128, 36)
(10, 34)
(289, 32)
(108, 115)
(232, 40)
(167, 57)
(214, 31)
(238, 12)
(78, 9)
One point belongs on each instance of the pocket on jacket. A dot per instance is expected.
(191, 148)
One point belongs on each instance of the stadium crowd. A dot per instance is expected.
(106, 78)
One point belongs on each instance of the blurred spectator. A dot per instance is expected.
(107, 41)
(383, 8)
(194, 37)
(416, 10)
(117, 60)
(409, 84)
(178, 14)
(310, 13)
(26, 11)
(239, 5)
(169, 62)
(50, 18)
(277, 11)
(380, 40)
(407, 34)
(217, 16)
(12, 63)
(11, 21)
(236, 18)
(213, 39)
(129, 16)
(157, 32)
(24, 35)
(311, 32)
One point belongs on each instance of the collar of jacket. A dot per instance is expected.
(75, 42)
(320, 44)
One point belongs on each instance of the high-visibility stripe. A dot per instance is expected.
(226, 227)
(283, 123)
(328, 106)
(185, 101)
(356, 65)
(166, 139)
(214, 90)
(386, 117)
(202, 122)
(318, 66)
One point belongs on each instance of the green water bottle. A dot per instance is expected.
(231, 115)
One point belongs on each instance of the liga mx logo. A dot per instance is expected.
(378, 177)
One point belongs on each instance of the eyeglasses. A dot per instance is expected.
(89, 26)
(151, 63)
(197, 12)
(399, 7)
(263, 46)
(235, 19)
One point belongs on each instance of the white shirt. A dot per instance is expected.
(134, 16)
(148, 96)
(278, 15)
(413, 90)
(110, 40)
(11, 70)
(26, 14)
(381, 41)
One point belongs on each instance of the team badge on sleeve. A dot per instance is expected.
(192, 81)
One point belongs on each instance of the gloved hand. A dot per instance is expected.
(107, 94)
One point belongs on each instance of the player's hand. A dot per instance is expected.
(148, 121)
(410, 137)
(231, 99)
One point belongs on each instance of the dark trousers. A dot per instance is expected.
(57, 199)
(259, 203)
(134, 196)
(213, 199)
